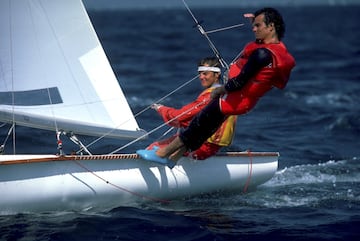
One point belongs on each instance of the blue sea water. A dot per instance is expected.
(314, 123)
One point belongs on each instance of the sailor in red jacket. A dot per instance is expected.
(209, 75)
(263, 64)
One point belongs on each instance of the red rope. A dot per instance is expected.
(121, 188)
(250, 172)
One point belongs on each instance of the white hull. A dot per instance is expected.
(31, 183)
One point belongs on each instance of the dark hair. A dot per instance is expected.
(271, 15)
(211, 61)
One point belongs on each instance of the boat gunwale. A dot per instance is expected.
(47, 158)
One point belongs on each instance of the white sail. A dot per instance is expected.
(54, 72)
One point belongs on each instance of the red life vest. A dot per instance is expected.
(276, 74)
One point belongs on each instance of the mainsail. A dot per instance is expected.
(54, 73)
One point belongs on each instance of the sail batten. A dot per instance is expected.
(54, 69)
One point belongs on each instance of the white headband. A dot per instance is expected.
(208, 68)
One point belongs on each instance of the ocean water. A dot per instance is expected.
(314, 123)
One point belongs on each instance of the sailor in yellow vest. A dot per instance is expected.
(209, 75)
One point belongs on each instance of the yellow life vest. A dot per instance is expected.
(225, 134)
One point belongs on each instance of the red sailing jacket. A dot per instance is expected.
(276, 74)
(184, 115)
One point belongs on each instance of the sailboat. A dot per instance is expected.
(55, 76)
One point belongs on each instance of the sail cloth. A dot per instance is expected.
(54, 72)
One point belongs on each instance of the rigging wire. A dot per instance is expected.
(225, 28)
(58, 133)
(162, 125)
(12, 80)
(2, 146)
(204, 33)
(139, 113)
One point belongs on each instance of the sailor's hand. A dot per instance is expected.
(216, 93)
(156, 106)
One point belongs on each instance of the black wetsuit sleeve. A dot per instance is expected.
(258, 59)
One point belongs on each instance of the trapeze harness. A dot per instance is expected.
(258, 69)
